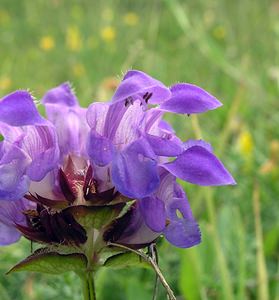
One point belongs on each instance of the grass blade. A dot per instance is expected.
(262, 276)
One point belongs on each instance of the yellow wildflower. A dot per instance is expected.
(47, 43)
(219, 32)
(131, 19)
(245, 146)
(108, 34)
(73, 38)
(5, 83)
(245, 143)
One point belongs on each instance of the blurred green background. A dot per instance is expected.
(231, 49)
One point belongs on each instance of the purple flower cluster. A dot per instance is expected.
(114, 152)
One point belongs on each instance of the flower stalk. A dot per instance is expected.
(89, 292)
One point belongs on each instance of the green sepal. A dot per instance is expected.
(51, 263)
(96, 217)
(127, 259)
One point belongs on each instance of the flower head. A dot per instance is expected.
(131, 19)
(103, 171)
(108, 34)
(47, 43)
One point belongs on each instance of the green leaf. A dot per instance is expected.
(1, 138)
(95, 216)
(51, 263)
(107, 252)
(124, 260)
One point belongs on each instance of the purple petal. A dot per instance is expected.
(62, 95)
(100, 149)
(199, 166)
(184, 233)
(8, 234)
(154, 213)
(179, 205)
(71, 127)
(190, 143)
(96, 116)
(165, 191)
(189, 99)
(13, 183)
(114, 116)
(153, 117)
(136, 84)
(69, 119)
(129, 126)
(167, 145)
(17, 192)
(133, 229)
(11, 213)
(166, 127)
(134, 170)
(27, 150)
(182, 230)
(18, 109)
(10, 176)
(178, 191)
(114, 122)
(40, 143)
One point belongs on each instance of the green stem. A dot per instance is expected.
(89, 287)
(85, 290)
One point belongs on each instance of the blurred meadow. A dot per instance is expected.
(231, 49)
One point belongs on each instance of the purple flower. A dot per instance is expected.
(29, 149)
(113, 154)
